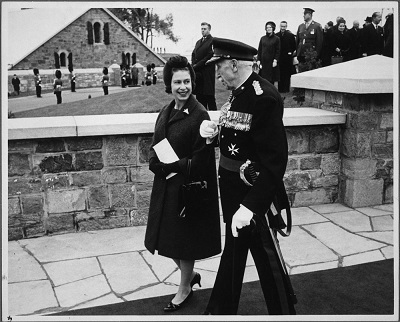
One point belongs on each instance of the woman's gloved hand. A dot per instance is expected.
(156, 167)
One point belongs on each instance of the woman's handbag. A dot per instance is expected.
(336, 59)
(193, 194)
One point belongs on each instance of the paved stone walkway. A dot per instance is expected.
(84, 269)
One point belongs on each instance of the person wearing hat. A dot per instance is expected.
(327, 44)
(38, 82)
(309, 36)
(57, 85)
(205, 75)
(250, 134)
(16, 83)
(105, 80)
(373, 40)
(269, 53)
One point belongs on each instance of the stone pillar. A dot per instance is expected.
(363, 90)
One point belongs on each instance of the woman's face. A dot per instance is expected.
(341, 27)
(181, 85)
(269, 29)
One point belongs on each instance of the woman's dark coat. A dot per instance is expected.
(341, 40)
(269, 49)
(198, 235)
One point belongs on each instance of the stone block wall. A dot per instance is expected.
(101, 182)
(366, 151)
(67, 184)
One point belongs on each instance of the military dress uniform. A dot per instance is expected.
(251, 128)
(310, 37)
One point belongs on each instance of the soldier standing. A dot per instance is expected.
(38, 82)
(309, 36)
(251, 133)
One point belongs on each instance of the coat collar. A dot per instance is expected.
(186, 110)
(248, 83)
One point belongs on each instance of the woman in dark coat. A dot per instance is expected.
(341, 41)
(197, 235)
(268, 54)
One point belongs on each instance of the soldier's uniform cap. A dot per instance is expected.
(231, 49)
(308, 10)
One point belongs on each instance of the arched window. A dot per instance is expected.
(90, 32)
(63, 60)
(106, 34)
(128, 59)
(97, 34)
(133, 58)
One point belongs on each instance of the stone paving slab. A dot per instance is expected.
(313, 267)
(305, 215)
(161, 266)
(388, 252)
(160, 289)
(341, 241)
(104, 300)
(328, 208)
(18, 261)
(89, 244)
(388, 207)
(72, 270)
(382, 223)
(373, 211)
(81, 291)
(383, 236)
(28, 297)
(301, 248)
(126, 272)
(353, 221)
(362, 258)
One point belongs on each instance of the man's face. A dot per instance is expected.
(205, 31)
(377, 19)
(283, 26)
(225, 72)
(356, 24)
(307, 16)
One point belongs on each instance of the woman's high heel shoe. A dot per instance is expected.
(196, 280)
(171, 307)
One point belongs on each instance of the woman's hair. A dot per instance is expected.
(105, 71)
(58, 73)
(341, 20)
(272, 24)
(174, 64)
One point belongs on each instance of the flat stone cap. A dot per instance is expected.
(367, 75)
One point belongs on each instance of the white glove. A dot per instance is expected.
(274, 63)
(240, 219)
(208, 129)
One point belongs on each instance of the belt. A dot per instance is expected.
(230, 164)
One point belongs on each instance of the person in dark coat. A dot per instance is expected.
(148, 76)
(251, 131)
(288, 49)
(205, 75)
(354, 35)
(327, 44)
(373, 36)
(38, 82)
(16, 83)
(197, 235)
(309, 36)
(269, 50)
(388, 36)
(57, 86)
(72, 77)
(105, 80)
(135, 75)
(341, 41)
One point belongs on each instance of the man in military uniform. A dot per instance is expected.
(309, 36)
(250, 131)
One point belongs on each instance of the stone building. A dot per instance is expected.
(96, 38)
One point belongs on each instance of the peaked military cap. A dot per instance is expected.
(308, 10)
(231, 49)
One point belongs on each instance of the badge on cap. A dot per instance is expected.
(257, 88)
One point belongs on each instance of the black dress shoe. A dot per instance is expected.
(196, 280)
(171, 307)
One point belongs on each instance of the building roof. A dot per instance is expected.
(28, 29)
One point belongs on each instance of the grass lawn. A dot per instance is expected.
(147, 99)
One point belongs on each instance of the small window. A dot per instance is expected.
(90, 32)
(63, 60)
(128, 59)
(96, 28)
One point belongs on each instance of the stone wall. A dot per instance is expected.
(367, 144)
(74, 39)
(101, 182)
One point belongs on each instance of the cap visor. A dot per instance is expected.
(213, 60)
